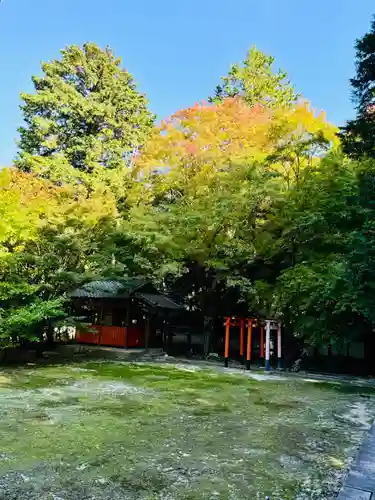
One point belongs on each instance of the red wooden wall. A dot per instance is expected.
(114, 336)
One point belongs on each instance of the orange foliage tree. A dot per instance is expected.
(199, 142)
(205, 137)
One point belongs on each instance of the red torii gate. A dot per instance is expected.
(249, 323)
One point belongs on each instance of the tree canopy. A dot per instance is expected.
(245, 203)
(85, 116)
(358, 135)
(255, 81)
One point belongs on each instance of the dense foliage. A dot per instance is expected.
(244, 203)
(358, 135)
(85, 117)
(256, 82)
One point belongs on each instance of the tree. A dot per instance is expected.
(212, 175)
(53, 239)
(195, 144)
(255, 81)
(85, 117)
(25, 202)
(301, 137)
(358, 136)
(231, 204)
(199, 141)
(317, 241)
(45, 232)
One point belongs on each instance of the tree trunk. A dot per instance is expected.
(50, 334)
(209, 320)
(208, 333)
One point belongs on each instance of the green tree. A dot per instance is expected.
(54, 238)
(85, 116)
(222, 171)
(256, 82)
(210, 232)
(358, 136)
(317, 241)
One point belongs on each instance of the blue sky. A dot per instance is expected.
(177, 50)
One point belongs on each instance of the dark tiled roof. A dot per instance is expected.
(107, 289)
(157, 300)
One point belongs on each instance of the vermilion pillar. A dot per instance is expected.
(249, 339)
(226, 347)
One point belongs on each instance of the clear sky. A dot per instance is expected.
(177, 50)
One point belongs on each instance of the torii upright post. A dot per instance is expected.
(261, 341)
(226, 346)
(279, 346)
(242, 336)
(249, 340)
(268, 340)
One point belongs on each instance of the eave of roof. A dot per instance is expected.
(157, 300)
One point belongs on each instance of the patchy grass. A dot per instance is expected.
(116, 431)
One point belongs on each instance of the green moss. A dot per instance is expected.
(347, 388)
(150, 431)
